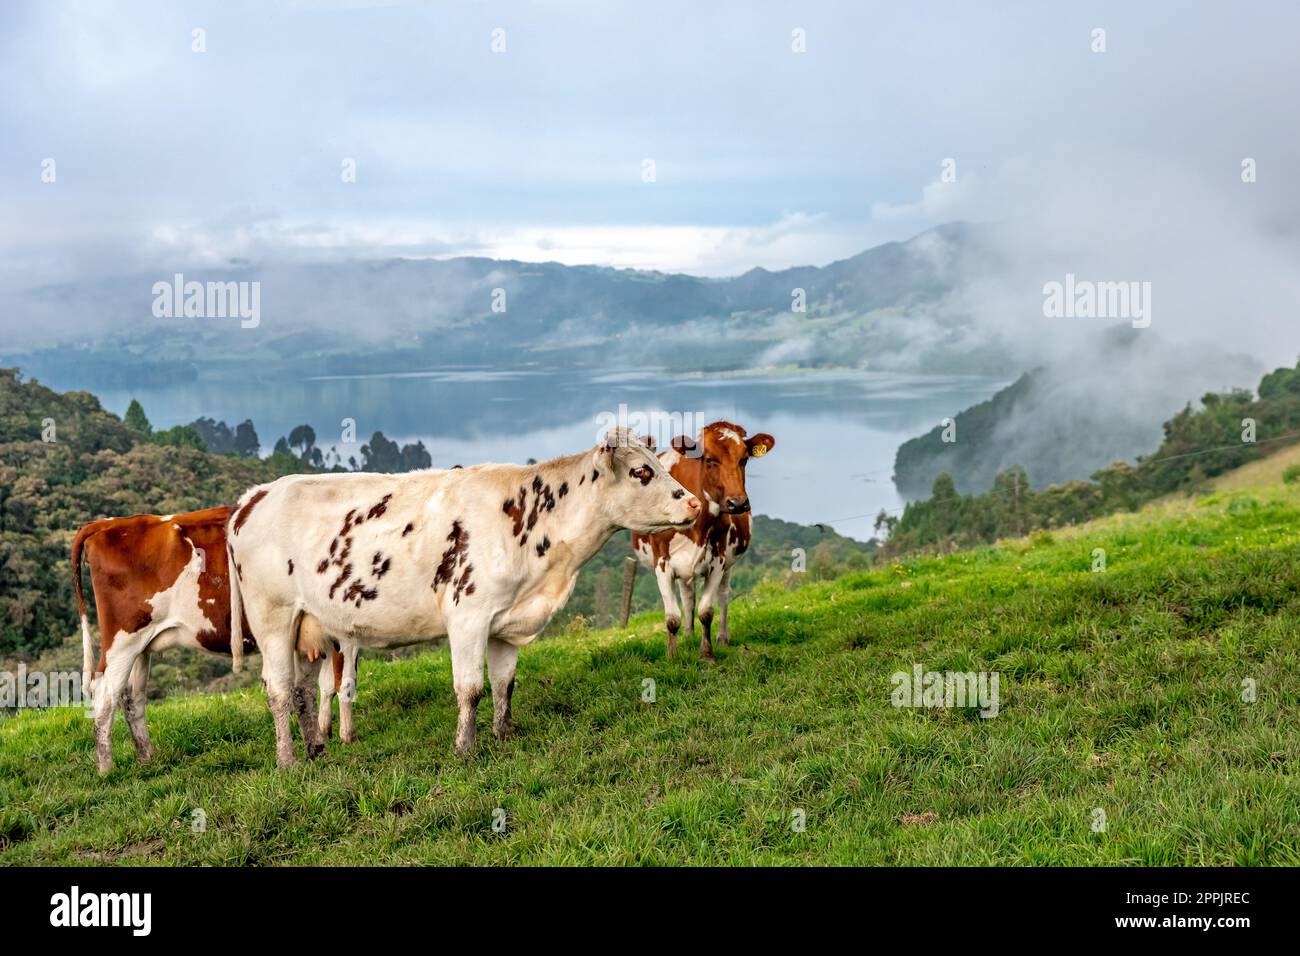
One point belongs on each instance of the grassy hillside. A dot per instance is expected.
(1224, 432)
(1120, 690)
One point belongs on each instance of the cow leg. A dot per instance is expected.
(347, 683)
(133, 707)
(278, 676)
(329, 683)
(707, 599)
(111, 688)
(724, 602)
(307, 677)
(468, 648)
(672, 616)
(687, 587)
(502, 657)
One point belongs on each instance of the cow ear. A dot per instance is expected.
(648, 441)
(684, 446)
(760, 444)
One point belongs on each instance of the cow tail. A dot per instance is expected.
(87, 645)
(236, 614)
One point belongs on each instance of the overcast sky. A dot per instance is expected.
(763, 156)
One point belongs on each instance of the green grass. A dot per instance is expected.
(1119, 690)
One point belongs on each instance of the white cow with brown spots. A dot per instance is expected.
(483, 556)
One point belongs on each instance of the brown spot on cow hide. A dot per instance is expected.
(242, 514)
(532, 513)
(515, 509)
(291, 565)
(378, 509)
(594, 475)
(379, 565)
(543, 547)
(339, 556)
(343, 576)
(453, 559)
(408, 529)
(524, 517)
(358, 592)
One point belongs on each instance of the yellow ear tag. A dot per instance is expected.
(758, 451)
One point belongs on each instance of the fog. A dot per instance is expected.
(1112, 166)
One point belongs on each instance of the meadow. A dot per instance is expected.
(1162, 693)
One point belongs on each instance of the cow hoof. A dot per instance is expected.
(348, 738)
(144, 756)
(504, 731)
(104, 768)
(708, 658)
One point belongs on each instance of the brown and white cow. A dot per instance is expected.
(159, 581)
(483, 555)
(711, 467)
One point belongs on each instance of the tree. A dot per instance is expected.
(136, 419)
(180, 436)
(946, 504)
(1009, 490)
(246, 443)
(303, 440)
(216, 435)
(415, 457)
(381, 454)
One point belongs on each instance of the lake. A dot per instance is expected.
(836, 432)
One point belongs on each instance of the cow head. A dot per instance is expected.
(636, 490)
(714, 465)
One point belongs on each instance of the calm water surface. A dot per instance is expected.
(836, 433)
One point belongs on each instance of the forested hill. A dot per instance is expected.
(64, 461)
(1226, 431)
(1064, 420)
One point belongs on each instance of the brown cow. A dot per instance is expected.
(713, 469)
(159, 581)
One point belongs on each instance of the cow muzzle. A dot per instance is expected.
(692, 512)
